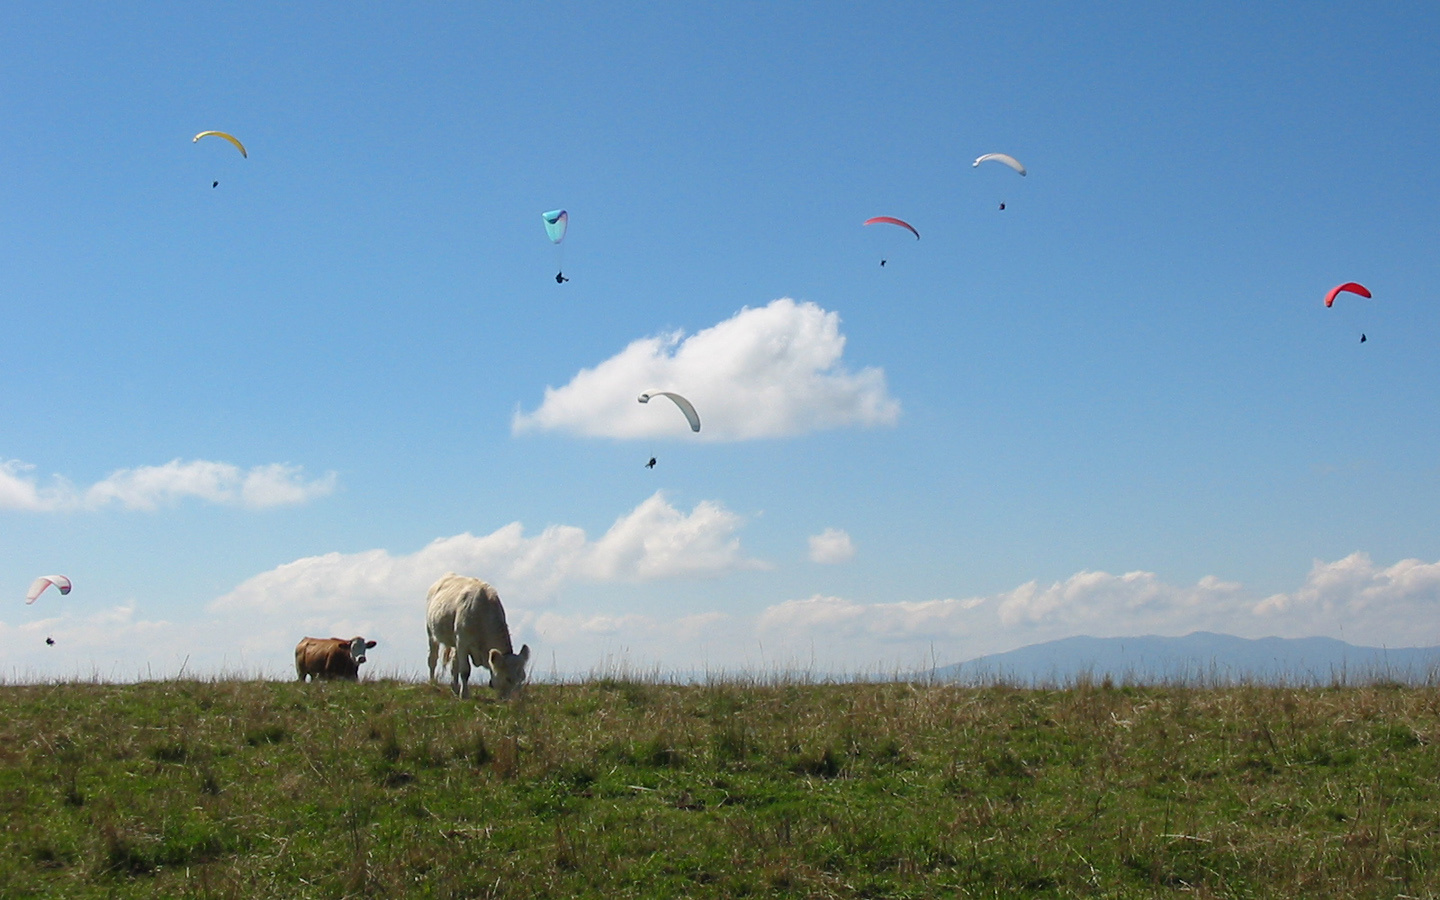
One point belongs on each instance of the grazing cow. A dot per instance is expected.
(464, 616)
(330, 658)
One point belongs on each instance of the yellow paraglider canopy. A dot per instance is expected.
(229, 137)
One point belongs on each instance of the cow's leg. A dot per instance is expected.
(484, 662)
(461, 667)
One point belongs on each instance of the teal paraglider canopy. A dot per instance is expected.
(555, 222)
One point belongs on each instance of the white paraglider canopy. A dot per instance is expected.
(1005, 158)
(45, 581)
(685, 406)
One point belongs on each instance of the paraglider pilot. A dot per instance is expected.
(560, 278)
(651, 463)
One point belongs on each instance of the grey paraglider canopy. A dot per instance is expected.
(685, 406)
(1005, 158)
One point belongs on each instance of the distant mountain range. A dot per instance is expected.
(1200, 658)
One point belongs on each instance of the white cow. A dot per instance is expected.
(464, 616)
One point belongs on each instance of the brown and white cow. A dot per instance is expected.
(464, 616)
(330, 657)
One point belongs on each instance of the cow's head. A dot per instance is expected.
(507, 670)
(358, 646)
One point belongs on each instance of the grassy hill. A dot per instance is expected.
(615, 788)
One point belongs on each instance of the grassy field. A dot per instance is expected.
(616, 788)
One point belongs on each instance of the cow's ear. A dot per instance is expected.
(369, 644)
(495, 658)
(525, 653)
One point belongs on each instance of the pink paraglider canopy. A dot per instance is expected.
(891, 220)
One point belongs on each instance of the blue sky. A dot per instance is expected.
(286, 404)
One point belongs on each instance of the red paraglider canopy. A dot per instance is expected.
(1350, 286)
(891, 220)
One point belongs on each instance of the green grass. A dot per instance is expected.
(619, 788)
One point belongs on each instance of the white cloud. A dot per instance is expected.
(1093, 597)
(18, 490)
(1351, 598)
(1095, 603)
(253, 628)
(1364, 600)
(376, 593)
(768, 372)
(112, 643)
(149, 487)
(832, 613)
(658, 541)
(556, 627)
(381, 595)
(654, 541)
(852, 620)
(831, 546)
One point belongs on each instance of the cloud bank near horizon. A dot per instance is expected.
(381, 595)
(150, 487)
(1351, 598)
(775, 371)
(253, 628)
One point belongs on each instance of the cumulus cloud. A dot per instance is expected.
(1089, 597)
(831, 546)
(1351, 598)
(253, 628)
(19, 489)
(768, 372)
(1363, 599)
(149, 487)
(381, 596)
(652, 542)
(1095, 603)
